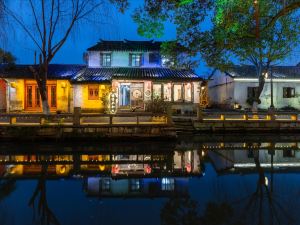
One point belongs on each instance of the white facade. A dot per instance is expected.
(119, 59)
(225, 90)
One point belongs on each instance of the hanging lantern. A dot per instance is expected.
(115, 169)
(148, 169)
(188, 168)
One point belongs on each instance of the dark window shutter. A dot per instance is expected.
(141, 59)
(101, 59)
(130, 59)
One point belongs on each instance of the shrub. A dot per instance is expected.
(157, 105)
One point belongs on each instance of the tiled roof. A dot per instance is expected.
(279, 72)
(55, 71)
(126, 45)
(107, 74)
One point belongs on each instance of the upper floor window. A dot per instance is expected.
(154, 58)
(135, 60)
(288, 92)
(106, 59)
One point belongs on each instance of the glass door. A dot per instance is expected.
(124, 99)
(137, 95)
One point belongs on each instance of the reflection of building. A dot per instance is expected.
(143, 187)
(114, 165)
(279, 156)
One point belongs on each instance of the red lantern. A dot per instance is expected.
(188, 168)
(115, 169)
(148, 169)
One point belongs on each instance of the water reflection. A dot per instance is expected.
(193, 182)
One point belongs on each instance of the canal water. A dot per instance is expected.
(207, 180)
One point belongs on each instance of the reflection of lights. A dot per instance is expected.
(62, 169)
(266, 181)
(202, 153)
(188, 168)
(148, 169)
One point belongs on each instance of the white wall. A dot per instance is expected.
(77, 95)
(220, 89)
(240, 93)
(119, 59)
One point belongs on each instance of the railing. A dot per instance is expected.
(250, 116)
(84, 119)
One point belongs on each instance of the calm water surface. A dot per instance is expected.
(212, 180)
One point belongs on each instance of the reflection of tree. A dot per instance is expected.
(179, 211)
(45, 214)
(263, 205)
(6, 188)
(184, 211)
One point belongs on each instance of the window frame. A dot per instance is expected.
(104, 59)
(93, 89)
(134, 55)
(253, 92)
(173, 92)
(288, 92)
(161, 90)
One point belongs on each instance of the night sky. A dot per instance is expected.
(118, 27)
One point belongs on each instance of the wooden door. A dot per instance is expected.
(2, 96)
(33, 100)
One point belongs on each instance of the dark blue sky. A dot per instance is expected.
(119, 26)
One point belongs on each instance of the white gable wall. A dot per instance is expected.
(240, 93)
(119, 59)
(220, 89)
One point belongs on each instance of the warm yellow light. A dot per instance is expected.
(13, 84)
(63, 85)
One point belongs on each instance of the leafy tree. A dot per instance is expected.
(49, 25)
(242, 30)
(239, 32)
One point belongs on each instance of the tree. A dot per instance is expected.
(243, 30)
(50, 24)
(6, 57)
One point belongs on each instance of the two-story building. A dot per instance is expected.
(118, 76)
(136, 72)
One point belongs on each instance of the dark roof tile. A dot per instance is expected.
(279, 72)
(55, 71)
(126, 45)
(107, 74)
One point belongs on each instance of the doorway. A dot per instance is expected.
(2, 95)
(33, 100)
(124, 96)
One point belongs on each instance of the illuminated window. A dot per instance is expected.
(167, 184)
(135, 185)
(135, 60)
(106, 59)
(177, 92)
(288, 92)
(188, 92)
(157, 91)
(167, 92)
(93, 92)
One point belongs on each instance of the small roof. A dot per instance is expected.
(126, 45)
(278, 72)
(55, 71)
(99, 75)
